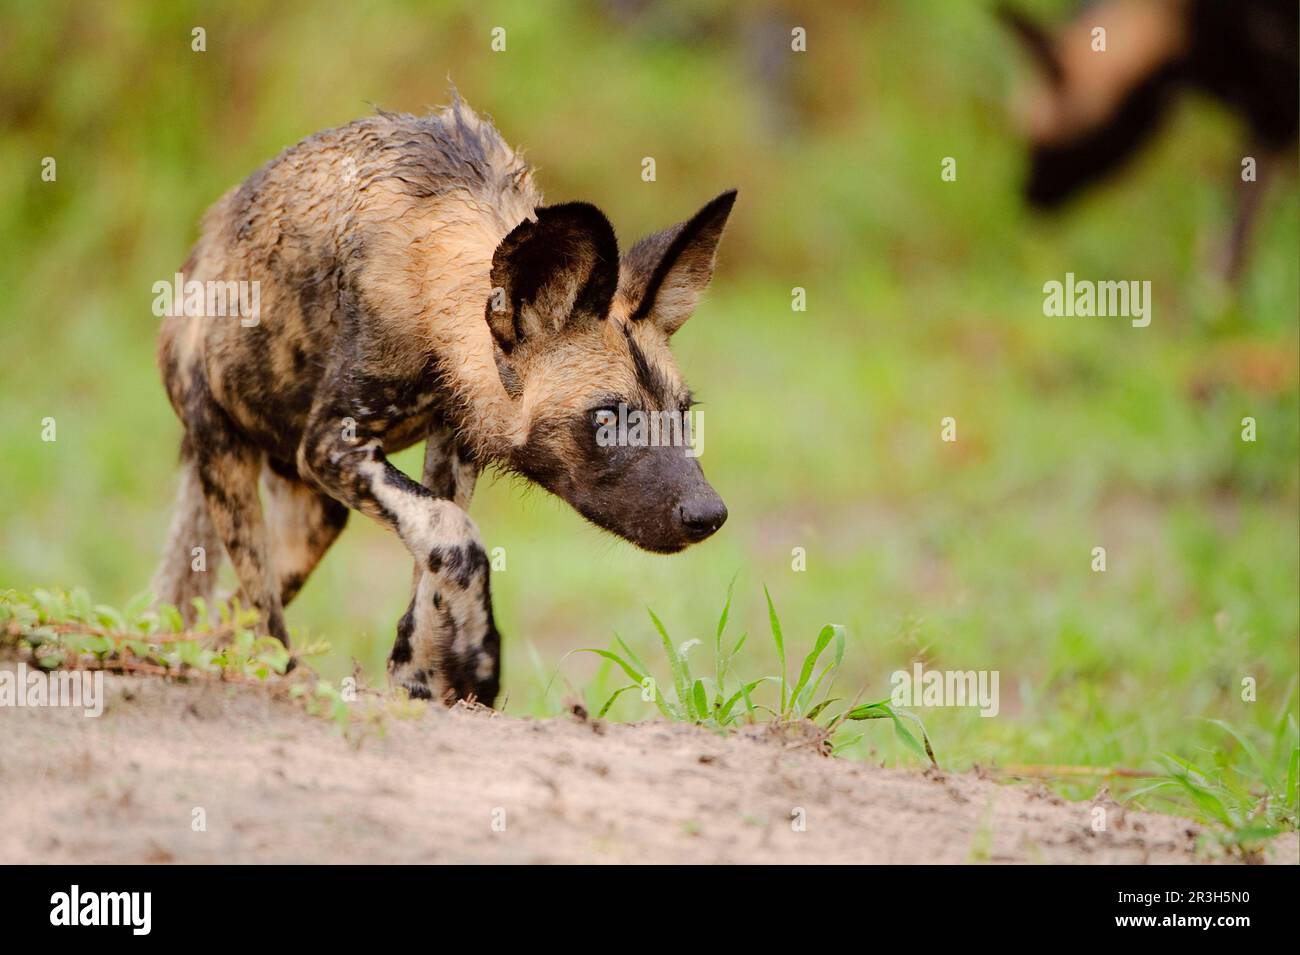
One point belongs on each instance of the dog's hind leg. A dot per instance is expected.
(192, 555)
(303, 523)
(228, 467)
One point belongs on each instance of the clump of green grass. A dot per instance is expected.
(726, 699)
(1253, 798)
(55, 629)
(69, 630)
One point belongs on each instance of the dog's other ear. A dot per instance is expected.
(665, 273)
(1035, 40)
(557, 270)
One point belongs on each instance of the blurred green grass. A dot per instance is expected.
(924, 300)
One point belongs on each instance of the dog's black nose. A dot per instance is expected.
(701, 516)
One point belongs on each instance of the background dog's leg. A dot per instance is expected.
(1247, 199)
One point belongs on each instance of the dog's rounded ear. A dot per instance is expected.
(552, 271)
(664, 274)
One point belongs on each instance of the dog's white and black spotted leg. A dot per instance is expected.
(447, 644)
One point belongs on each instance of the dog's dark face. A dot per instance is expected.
(583, 341)
(1086, 111)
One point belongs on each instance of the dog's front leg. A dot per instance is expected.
(447, 645)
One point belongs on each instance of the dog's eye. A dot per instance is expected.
(604, 418)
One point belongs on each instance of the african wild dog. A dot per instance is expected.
(413, 287)
(1091, 111)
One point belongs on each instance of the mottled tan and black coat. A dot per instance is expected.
(413, 287)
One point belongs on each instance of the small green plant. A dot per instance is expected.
(325, 700)
(69, 630)
(56, 629)
(725, 699)
(1253, 798)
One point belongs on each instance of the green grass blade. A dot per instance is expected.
(735, 651)
(680, 685)
(1195, 782)
(810, 661)
(614, 697)
(811, 692)
(614, 658)
(779, 639)
(683, 654)
(816, 711)
(925, 737)
(1261, 765)
(1292, 779)
(882, 710)
(720, 662)
(726, 612)
(1211, 804)
(701, 701)
(745, 690)
(742, 693)
(724, 711)
(634, 674)
(631, 654)
(845, 742)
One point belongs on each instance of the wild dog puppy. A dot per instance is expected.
(1089, 111)
(413, 287)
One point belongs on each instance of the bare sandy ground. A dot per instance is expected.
(275, 784)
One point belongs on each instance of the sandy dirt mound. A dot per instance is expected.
(278, 785)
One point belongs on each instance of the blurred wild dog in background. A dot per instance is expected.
(1088, 112)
